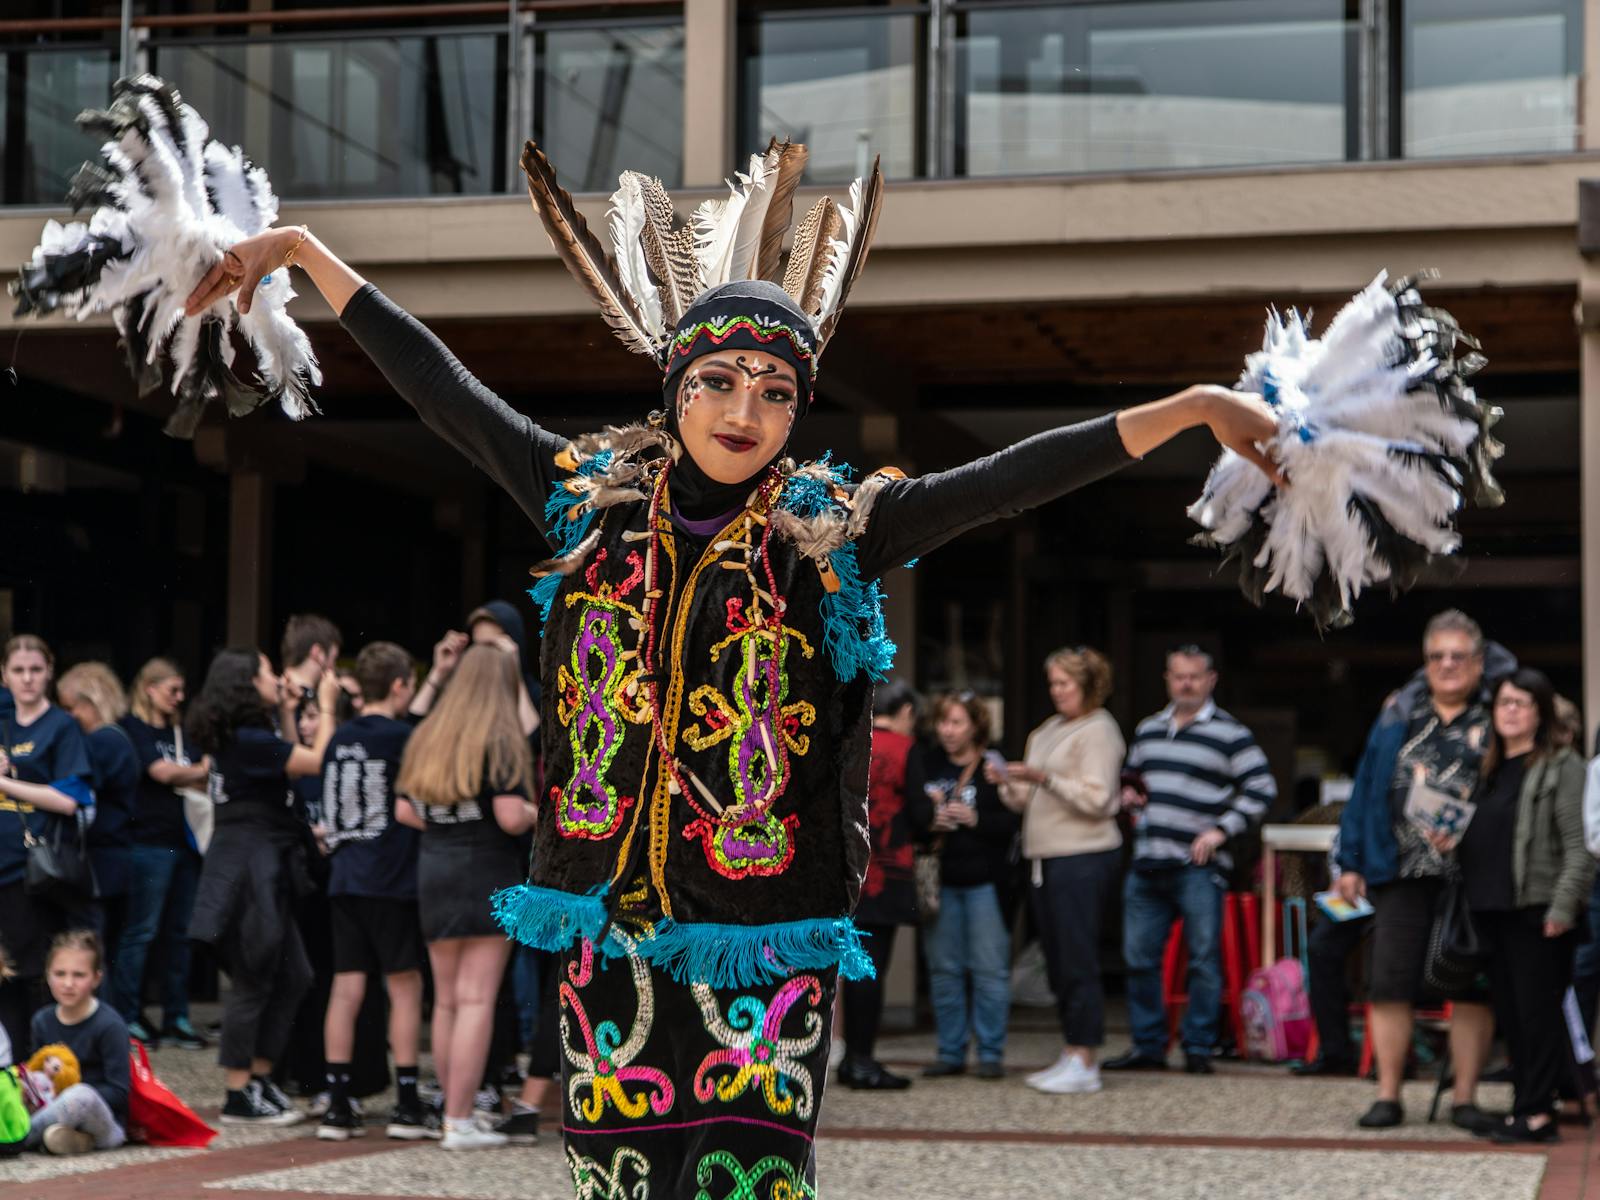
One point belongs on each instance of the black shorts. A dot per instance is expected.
(372, 934)
(1403, 912)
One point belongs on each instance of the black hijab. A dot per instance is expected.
(744, 315)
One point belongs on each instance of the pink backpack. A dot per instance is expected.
(1277, 1012)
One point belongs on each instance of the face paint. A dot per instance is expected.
(689, 392)
(753, 373)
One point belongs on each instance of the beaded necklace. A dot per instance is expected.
(764, 622)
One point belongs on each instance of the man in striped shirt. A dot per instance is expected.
(1198, 779)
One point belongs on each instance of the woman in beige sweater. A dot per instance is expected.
(1067, 789)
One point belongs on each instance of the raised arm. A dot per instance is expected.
(511, 449)
(913, 516)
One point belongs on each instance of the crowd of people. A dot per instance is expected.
(314, 832)
(330, 839)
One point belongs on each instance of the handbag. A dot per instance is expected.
(156, 1116)
(926, 874)
(58, 867)
(1455, 955)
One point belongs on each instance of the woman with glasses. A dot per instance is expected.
(1527, 873)
(951, 805)
(1066, 787)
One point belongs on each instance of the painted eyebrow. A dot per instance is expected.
(733, 369)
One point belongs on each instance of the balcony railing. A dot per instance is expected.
(937, 89)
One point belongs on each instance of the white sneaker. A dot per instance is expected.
(1072, 1079)
(1039, 1076)
(469, 1135)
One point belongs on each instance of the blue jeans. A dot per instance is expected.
(1151, 902)
(161, 887)
(970, 937)
(525, 991)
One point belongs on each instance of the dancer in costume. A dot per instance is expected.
(713, 631)
(714, 624)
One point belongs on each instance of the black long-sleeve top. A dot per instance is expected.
(973, 855)
(910, 518)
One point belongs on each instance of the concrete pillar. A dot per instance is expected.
(1588, 311)
(249, 555)
(1589, 81)
(710, 80)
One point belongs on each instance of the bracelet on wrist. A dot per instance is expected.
(305, 232)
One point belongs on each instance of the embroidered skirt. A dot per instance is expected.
(680, 1090)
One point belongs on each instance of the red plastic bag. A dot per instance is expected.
(155, 1114)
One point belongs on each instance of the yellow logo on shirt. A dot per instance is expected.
(7, 804)
(21, 750)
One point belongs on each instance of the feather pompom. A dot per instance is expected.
(168, 201)
(1382, 441)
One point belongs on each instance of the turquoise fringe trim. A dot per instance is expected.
(738, 956)
(853, 630)
(549, 919)
(721, 955)
(564, 534)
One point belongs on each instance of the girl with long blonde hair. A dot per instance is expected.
(465, 781)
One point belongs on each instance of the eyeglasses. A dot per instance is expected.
(1450, 656)
(1515, 702)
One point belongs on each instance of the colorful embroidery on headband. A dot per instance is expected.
(605, 1062)
(591, 1181)
(719, 329)
(854, 633)
(755, 1052)
(790, 1183)
(764, 846)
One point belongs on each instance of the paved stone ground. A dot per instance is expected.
(1247, 1133)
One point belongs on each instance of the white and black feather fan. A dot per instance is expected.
(1382, 441)
(167, 202)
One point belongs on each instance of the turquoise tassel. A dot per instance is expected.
(564, 534)
(852, 618)
(549, 919)
(739, 956)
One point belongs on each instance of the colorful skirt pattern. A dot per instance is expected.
(683, 1090)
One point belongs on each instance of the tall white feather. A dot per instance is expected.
(727, 232)
(834, 277)
(626, 222)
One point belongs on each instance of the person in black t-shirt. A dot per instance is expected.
(44, 780)
(372, 890)
(93, 695)
(254, 869)
(467, 774)
(165, 866)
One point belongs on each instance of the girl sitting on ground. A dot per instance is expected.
(91, 1114)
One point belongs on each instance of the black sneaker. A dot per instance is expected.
(339, 1124)
(1134, 1060)
(249, 1106)
(943, 1068)
(140, 1032)
(870, 1075)
(487, 1100)
(1198, 1064)
(273, 1094)
(1474, 1120)
(183, 1035)
(411, 1124)
(520, 1129)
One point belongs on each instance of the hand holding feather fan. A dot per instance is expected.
(168, 201)
(1381, 439)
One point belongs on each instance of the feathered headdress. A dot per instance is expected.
(1382, 441)
(650, 269)
(168, 201)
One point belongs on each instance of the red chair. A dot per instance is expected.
(1240, 956)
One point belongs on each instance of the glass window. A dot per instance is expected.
(846, 85)
(611, 100)
(1491, 76)
(1135, 86)
(412, 115)
(56, 86)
